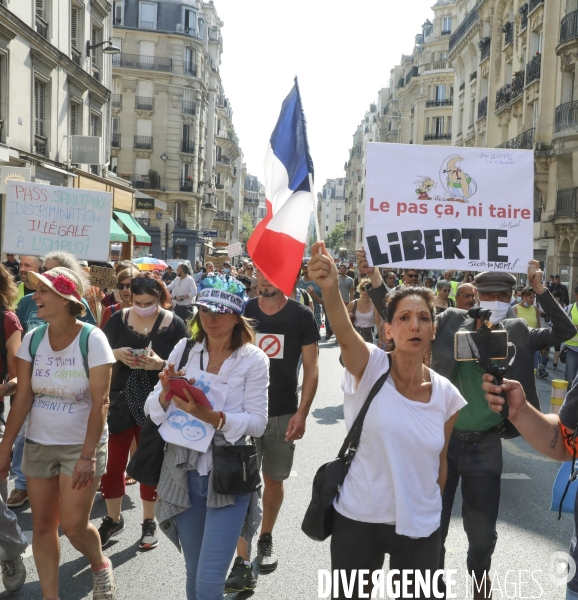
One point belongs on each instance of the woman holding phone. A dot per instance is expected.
(142, 337)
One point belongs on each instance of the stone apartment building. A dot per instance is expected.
(172, 128)
(331, 207)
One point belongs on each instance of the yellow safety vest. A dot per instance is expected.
(574, 317)
(454, 285)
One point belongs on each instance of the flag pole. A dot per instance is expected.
(314, 204)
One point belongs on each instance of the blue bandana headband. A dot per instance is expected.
(222, 294)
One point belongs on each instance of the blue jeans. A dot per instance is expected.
(17, 454)
(480, 467)
(209, 539)
(571, 365)
(570, 595)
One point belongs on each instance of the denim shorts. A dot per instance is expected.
(43, 461)
(276, 454)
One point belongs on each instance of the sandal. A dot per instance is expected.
(130, 480)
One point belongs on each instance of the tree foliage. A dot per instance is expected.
(247, 228)
(334, 240)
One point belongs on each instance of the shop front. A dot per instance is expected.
(186, 244)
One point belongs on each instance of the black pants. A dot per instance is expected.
(184, 311)
(358, 545)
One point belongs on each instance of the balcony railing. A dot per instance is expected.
(537, 215)
(503, 96)
(413, 72)
(143, 182)
(136, 61)
(446, 31)
(566, 202)
(430, 103)
(569, 27)
(41, 27)
(143, 142)
(223, 160)
(462, 86)
(463, 28)
(76, 55)
(223, 215)
(187, 147)
(533, 69)
(186, 185)
(116, 21)
(190, 68)
(483, 108)
(566, 116)
(181, 223)
(144, 103)
(434, 65)
(432, 137)
(220, 186)
(508, 30)
(40, 145)
(524, 17)
(485, 46)
(525, 141)
(189, 108)
(146, 221)
(115, 140)
(116, 100)
(534, 4)
(517, 85)
(148, 25)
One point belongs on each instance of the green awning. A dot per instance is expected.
(140, 235)
(116, 233)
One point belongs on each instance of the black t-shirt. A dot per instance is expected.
(120, 335)
(281, 336)
(168, 277)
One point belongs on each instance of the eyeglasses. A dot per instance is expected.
(412, 276)
(366, 288)
(139, 285)
(123, 286)
(469, 296)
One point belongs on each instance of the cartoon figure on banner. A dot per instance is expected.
(190, 429)
(459, 185)
(425, 184)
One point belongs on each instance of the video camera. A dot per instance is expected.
(484, 346)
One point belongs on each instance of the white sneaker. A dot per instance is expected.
(13, 574)
(104, 587)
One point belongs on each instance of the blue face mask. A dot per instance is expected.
(226, 270)
(518, 299)
(527, 305)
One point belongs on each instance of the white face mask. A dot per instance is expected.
(145, 312)
(499, 309)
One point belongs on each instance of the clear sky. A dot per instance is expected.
(342, 53)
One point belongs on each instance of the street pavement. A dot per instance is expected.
(529, 534)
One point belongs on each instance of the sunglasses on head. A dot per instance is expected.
(123, 286)
(366, 287)
(140, 284)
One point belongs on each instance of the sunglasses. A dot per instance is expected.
(366, 288)
(412, 276)
(123, 286)
(140, 284)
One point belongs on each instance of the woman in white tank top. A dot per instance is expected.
(362, 313)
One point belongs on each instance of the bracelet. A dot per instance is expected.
(221, 421)
(88, 458)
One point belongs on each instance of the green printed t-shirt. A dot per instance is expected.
(477, 415)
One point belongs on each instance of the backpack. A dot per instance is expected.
(38, 334)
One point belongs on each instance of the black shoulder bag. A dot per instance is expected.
(145, 465)
(318, 520)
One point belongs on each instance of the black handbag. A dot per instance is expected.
(236, 469)
(318, 520)
(145, 465)
(119, 418)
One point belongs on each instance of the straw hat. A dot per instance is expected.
(63, 281)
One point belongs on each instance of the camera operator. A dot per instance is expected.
(475, 449)
(542, 432)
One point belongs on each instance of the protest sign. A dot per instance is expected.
(103, 277)
(439, 207)
(235, 249)
(41, 218)
(219, 261)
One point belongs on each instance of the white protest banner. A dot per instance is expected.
(40, 218)
(235, 249)
(441, 207)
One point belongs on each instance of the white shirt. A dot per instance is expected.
(247, 399)
(62, 402)
(183, 287)
(393, 477)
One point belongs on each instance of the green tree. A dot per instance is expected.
(247, 228)
(334, 240)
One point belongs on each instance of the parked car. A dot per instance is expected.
(174, 263)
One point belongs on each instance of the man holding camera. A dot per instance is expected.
(475, 448)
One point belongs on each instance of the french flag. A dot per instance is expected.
(278, 242)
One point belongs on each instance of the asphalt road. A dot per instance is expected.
(529, 534)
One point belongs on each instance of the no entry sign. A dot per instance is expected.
(272, 344)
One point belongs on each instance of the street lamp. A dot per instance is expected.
(110, 49)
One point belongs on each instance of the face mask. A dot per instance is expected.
(518, 299)
(499, 309)
(527, 305)
(145, 312)
(226, 270)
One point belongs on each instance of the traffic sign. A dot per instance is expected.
(163, 224)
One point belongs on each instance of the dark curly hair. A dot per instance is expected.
(160, 290)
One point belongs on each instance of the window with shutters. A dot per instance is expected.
(74, 118)
(74, 13)
(94, 125)
(148, 15)
(39, 108)
(117, 12)
(41, 11)
(40, 8)
(96, 53)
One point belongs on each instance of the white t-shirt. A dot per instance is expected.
(393, 477)
(62, 402)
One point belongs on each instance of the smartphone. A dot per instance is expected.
(178, 384)
(491, 345)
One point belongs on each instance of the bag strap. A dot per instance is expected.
(185, 357)
(3, 349)
(157, 323)
(354, 307)
(87, 329)
(351, 442)
(35, 339)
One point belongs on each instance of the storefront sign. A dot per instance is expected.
(437, 207)
(85, 150)
(7, 174)
(145, 204)
(210, 233)
(41, 218)
(221, 244)
(179, 240)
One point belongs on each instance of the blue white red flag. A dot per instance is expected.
(278, 242)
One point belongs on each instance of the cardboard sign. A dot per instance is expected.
(439, 207)
(41, 218)
(235, 249)
(103, 277)
(219, 261)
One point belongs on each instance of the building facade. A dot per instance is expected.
(331, 207)
(172, 130)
